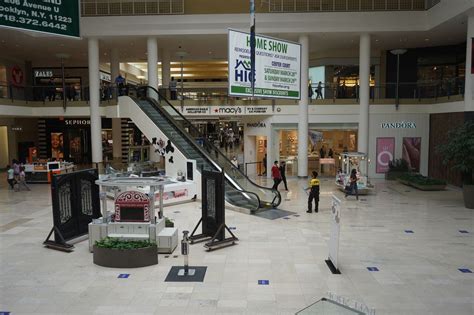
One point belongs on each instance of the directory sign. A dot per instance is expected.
(58, 17)
(277, 67)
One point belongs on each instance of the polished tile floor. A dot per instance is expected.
(418, 272)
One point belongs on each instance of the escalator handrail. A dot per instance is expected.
(198, 148)
(209, 143)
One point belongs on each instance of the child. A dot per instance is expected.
(314, 193)
(22, 182)
(11, 176)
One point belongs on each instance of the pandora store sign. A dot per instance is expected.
(398, 125)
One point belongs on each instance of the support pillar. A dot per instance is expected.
(152, 49)
(303, 109)
(364, 99)
(165, 71)
(117, 139)
(364, 80)
(114, 64)
(94, 100)
(468, 103)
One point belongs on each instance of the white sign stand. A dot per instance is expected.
(333, 259)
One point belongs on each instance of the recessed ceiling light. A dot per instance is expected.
(376, 40)
(427, 39)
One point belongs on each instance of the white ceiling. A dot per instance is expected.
(42, 49)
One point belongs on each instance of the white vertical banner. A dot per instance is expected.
(334, 235)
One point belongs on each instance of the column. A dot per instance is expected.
(303, 109)
(364, 77)
(94, 97)
(165, 71)
(468, 103)
(152, 49)
(114, 64)
(117, 139)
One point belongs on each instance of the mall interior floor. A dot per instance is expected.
(418, 272)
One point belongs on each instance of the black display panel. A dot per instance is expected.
(189, 171)
(132, 214)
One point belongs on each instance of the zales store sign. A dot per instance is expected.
(398, 125)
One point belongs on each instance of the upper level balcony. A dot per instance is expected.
(173, 7)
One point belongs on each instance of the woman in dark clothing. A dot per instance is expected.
(353, 184)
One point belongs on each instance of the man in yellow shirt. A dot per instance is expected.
(313, 193)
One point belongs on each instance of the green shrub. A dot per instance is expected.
(398, 165)
(420, 179)
(169, 223)
(117, 243)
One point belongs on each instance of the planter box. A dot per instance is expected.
(132, 258)
(468, 194)
(422, 187)
(428, 187)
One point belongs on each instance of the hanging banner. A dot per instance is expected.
(58, 17)
(315, 136)
(335, 232)
(385, 153)
(277, 67)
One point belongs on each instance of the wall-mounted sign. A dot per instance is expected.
(196, 110)
(257, 110)
(14, 128)
(59, 17)
(227, 110)
(277, 67)
(258, 124)
(104, 76)
(17, 74)
(398, 125)
(77, 122)
(385, 153)
(43, 73)
(412, 152)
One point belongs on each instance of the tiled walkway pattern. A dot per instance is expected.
(401, 252)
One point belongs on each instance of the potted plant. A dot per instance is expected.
(120, 253)
(396, 168)
(459, 151)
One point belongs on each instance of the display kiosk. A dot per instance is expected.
(42, 172)
(350, 161)
(134, 215)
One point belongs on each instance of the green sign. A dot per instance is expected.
(59, 17)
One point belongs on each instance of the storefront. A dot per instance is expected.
(48, 83)
(397, 136)
(70, 139)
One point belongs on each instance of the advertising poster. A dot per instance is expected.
(54, 17)
(57, 145)
(411, 152)
(335, 231)
(385, 153)
(277, 67)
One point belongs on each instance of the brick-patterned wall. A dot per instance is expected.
(440, 125)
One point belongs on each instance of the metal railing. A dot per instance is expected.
(328, 93)
(348, 5)
(131, 7)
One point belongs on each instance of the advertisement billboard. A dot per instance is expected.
(277, 67)
(55, 17)
(385, 153)
(411, 152)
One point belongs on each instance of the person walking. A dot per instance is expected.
(283, 173)
(16, 170)
(313, 193)
(310, 92)
(173, 89)
(353, 184)
(10, 176)
(264, 162)
(22, 181)
(276, 175)
(319, 91)
(120, 84)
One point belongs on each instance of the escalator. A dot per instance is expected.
(240, 191)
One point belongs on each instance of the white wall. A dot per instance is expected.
(422, 130)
